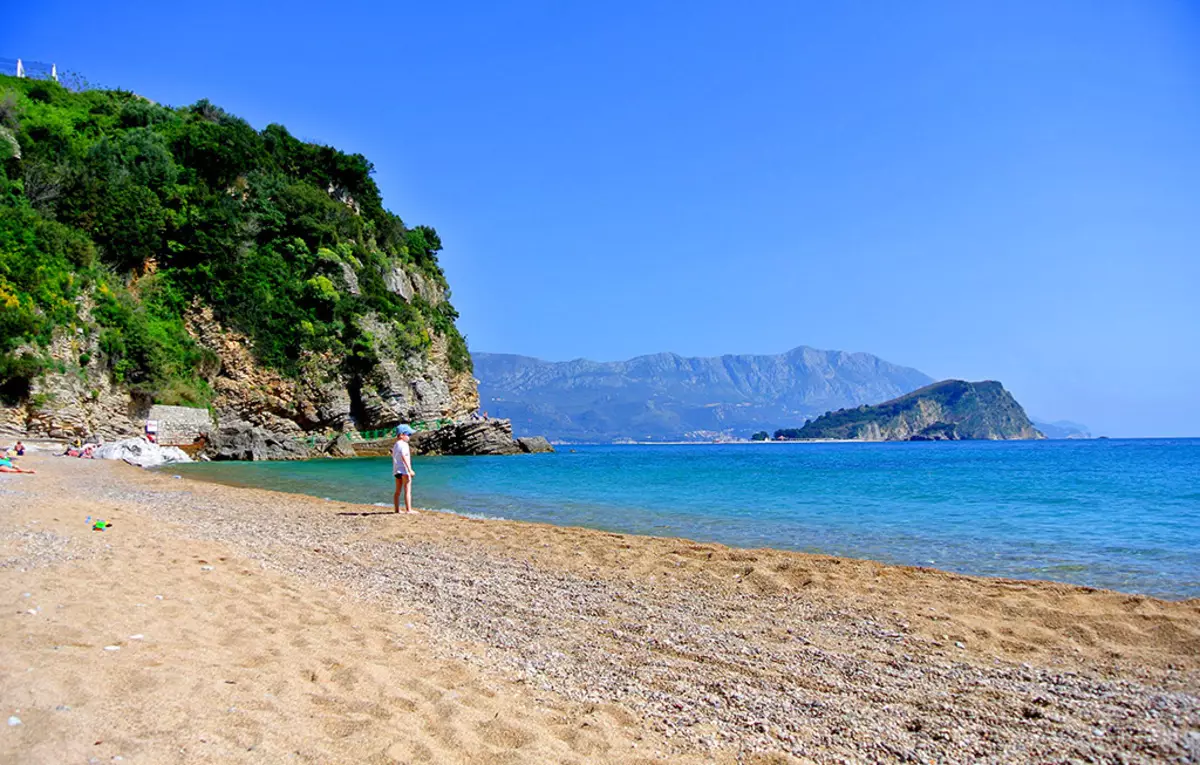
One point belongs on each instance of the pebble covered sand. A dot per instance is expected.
(714, 653)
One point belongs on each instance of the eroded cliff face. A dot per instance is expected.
(409, 387)
(915, 423)
(78, 398)
(402, 387)
(950, 410)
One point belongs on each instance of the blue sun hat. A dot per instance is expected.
(404, 430)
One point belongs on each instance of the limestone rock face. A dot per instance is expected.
(397, 392)
(249, 392)
(342, 195)
(402, 387)
(468, 438)
(243, 441)
(950, 410)
(78, 399)
(340, 447)
(427, 288)
(397, 281)
(407, 284)
(13, 421)
(534, 445)
(411, 387)
(349, 278)
(267, 412)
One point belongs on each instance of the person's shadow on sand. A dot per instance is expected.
(372, 512)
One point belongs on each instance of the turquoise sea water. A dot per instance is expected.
(1120, 514)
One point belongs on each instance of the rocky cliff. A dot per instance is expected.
(667, 397)
(152, 255)
(950, 410)
(402, 387)
(77, 396)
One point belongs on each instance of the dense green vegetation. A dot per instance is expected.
(143, 210)
(761, 435)
(787, 433)
(842, 423)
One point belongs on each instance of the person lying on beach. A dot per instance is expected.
(7, 466)
(402, 469)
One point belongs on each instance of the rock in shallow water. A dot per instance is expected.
(475, 437)
(534, 445)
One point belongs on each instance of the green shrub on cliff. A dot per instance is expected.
(145, 209)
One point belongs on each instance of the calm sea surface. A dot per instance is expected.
(1120, 514)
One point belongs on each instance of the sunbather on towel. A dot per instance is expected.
(7, 466)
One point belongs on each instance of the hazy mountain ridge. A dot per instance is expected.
(666, 396)
(1061, 428)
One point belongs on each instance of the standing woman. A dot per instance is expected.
(402, 469)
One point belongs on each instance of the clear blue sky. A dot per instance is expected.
(1006, 190)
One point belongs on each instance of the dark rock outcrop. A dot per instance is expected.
(534, 445)
(340, 447)
(939, 431)
(473, 437)
(950, 410)
(243, 441)
(464, 438)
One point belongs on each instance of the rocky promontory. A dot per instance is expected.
(475, 437)
(950, 410)
(178, 267)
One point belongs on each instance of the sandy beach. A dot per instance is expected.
(216, 624)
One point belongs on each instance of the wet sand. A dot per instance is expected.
(274, 627)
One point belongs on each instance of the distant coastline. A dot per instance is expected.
(747, 441)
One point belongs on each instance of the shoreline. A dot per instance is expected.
(877, 555)
(816, 554)
(728, 443)
(701, 650)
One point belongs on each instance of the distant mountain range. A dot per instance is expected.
(666, 396)
(950, 410)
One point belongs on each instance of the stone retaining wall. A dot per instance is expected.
(179, 425)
